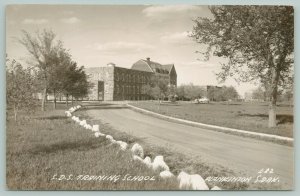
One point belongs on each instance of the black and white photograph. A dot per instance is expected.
(149, 97)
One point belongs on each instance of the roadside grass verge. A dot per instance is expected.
(178, 162)
(46, 145)
(246, 116)
(241, 133)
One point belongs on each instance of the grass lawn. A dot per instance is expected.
(44, 149)
(246, 116)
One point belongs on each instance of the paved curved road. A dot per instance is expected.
(237, 153)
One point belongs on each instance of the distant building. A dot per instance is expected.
(117, 83)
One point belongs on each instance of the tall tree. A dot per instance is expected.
(157, 88)
(20, 88)
(230, 93)
(75, 82)
(156, 93)
(259, 93)
(171, 93)
(42, 48)
(146, 90)
(163, 85)
(193, 91)
(257, 41)
(80, 83)
(58, 74)
(224, 93)
(190, 91)
(180, 91)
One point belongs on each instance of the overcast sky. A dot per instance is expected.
(97, 35)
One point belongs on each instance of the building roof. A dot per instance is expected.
(152, 66)
(168, 66)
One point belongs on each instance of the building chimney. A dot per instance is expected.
(148, 59)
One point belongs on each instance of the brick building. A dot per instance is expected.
(118, 83)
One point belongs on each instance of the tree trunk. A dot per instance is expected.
(44, 99)
(273, 97)
(54, 100)
(67, 99)
(272, 115)
(15, 112)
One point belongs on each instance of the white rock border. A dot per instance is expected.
(195, 181)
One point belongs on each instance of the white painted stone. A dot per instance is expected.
(95, 128)
(137, 150)
(184, 180)
(159, 163)
(216, 188)
(72, 109)
(166, 174)
(195, 181)
(97, 134)
(83, 122)
(147, 161)
(110, 138)
(198, 183)
(123, 145)
(137, 158)
(68, 114)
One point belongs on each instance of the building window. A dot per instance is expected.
(117, 77)
(117, 89)
(121, 77)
